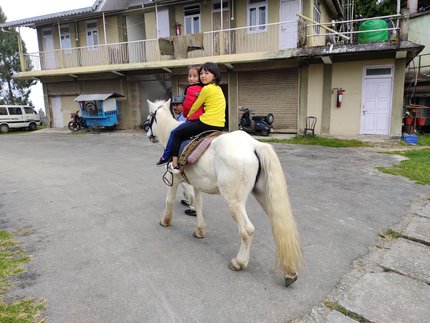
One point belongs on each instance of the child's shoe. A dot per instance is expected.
(162, 161)
(174, 170)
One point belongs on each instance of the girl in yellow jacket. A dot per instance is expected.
(213, 117)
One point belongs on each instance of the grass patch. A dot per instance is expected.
(390, 234)
(336, 307)
(12, 259)
(416, 167)
(319, 141)
(424, 140)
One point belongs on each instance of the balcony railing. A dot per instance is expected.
(268, 37)
(419, 68)
(250, 39)
(344, 31)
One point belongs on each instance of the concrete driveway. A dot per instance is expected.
(93, 202)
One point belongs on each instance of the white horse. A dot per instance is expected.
(234, 165)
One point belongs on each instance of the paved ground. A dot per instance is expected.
(92, 204)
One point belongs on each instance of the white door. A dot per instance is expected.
(57, 112)
(288, 31)
(48, 55)
(376, 104)
(163, 24)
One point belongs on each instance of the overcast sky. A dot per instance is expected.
(20, 9)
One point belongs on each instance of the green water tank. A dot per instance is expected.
(373, 36)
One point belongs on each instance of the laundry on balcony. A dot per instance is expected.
(179, 46)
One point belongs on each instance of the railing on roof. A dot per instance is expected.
(343, 31)
(419, 68)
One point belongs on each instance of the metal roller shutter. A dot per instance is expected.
(274, 91)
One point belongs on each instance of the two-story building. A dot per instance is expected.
(287, 57)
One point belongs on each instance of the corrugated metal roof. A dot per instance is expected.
(33, 21)
(97, 97)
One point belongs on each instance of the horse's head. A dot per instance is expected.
(150, 125)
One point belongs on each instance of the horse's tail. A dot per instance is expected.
(271, 192)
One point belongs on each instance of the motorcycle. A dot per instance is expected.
(77, 122)
(259, 124)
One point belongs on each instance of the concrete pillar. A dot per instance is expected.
(404, 25)
(233, 99)
(326, 101)
(398, 92)
(303, 96)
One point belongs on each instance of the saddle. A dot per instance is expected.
(192, 149)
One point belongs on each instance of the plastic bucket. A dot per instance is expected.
(410, 139)
(408, 121)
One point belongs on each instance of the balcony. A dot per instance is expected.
(261, 38)
(268, 38)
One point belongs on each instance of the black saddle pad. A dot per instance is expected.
(183, 145)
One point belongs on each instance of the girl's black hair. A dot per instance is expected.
(214, 69)
(197, 67)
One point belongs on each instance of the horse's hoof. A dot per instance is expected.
(290, 280)
(233, 266)
(195, 235)
(164, 224)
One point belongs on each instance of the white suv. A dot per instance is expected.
(18, 116)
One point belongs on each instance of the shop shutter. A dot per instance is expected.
(274, 91)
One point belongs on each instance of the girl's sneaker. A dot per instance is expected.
(162, 161)
(174, 170)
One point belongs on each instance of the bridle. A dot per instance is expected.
(147, 125)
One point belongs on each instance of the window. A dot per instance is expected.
(15, 111)
(378, 71)
(92, 34)
(65, 37)
(217, 5)
(192, 19)
(29, 110)
(46, 32)
(257, 14)
(317, 16)
(3, 111)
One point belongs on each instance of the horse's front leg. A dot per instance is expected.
(166, 219)
(200, 231)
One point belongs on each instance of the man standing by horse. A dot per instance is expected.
(188, 191)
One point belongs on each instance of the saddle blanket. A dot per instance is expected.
(192, 149)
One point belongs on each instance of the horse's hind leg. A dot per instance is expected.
(200, 231)
(166, 219)
(246, 231)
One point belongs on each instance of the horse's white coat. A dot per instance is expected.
(234, 166)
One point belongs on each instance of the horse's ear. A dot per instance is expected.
(150, 104)
(168, 103)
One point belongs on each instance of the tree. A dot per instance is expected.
(42, 116)
(378, 8)
(12, 91)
